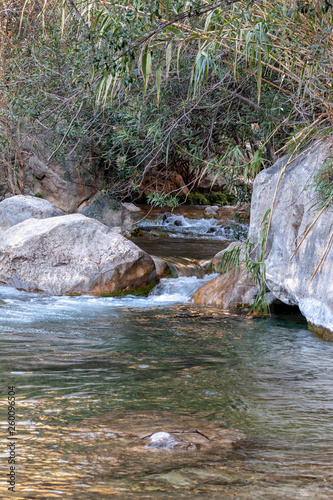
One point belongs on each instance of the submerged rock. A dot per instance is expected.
(19, 208)
(178, 222)
(162, 440)
(70, 254)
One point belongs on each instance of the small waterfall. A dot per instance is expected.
(178, 225)
(178, 289)
(181, 266)
(29, 308)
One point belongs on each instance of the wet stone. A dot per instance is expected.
(162, 440)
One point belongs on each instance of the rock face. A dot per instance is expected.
(162, 268)
(102, 209)
(71, 254)
(19, 208)
(293, 213)
(290, 281)
(157, 180)
(66, 195)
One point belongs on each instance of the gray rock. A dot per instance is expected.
(17, 209)
(162, 440)
(287, 280)
(162, 267)
(132, 208)
(71, 254)
(120, 230)
(290, 281)
(66, 195)
(212, 210)
(102, 209)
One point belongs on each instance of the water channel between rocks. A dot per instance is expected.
(95, 377)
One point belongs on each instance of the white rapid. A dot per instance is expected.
(178, 225)
(26, 308)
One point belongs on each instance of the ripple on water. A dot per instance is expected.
(95, 378)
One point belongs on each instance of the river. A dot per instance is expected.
(93, 376)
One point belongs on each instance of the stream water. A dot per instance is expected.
(93, 376)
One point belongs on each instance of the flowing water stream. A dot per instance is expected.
(95, 376)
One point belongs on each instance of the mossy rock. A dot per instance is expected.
(138, 232)
(321, 332)
(222, 198)
(138, 292)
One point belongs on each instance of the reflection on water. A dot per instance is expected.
(95, 375)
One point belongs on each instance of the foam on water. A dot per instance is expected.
(23, 307)
(178, 225)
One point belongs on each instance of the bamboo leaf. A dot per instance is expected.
(158, 82)
(168, 59)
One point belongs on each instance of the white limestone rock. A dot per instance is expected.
(19, 208)
(70, 254)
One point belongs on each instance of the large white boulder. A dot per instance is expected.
(71, 254)
(19, 208)
(293, 213)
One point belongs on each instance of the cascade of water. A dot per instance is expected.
(179, 289)
(181, 266)
(22, 307)
(178, 225)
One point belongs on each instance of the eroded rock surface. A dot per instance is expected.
(20, 208)
(66, 195)
(71, 254)
(294, 212)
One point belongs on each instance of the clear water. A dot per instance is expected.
(93, 376)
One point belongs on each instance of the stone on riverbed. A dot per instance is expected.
(71, 254)
(162, 267)
(20, 208)
(104, 209)
(162, 440)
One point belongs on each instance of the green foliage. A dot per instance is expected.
(197, 199)
(252, 256)
(162, 200)
(323, 184)
(222, 198)
(185, 86)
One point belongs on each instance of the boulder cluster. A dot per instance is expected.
(43, 250)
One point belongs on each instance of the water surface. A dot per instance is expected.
(94, 375)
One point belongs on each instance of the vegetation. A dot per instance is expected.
(190, 86)
(323, 184)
